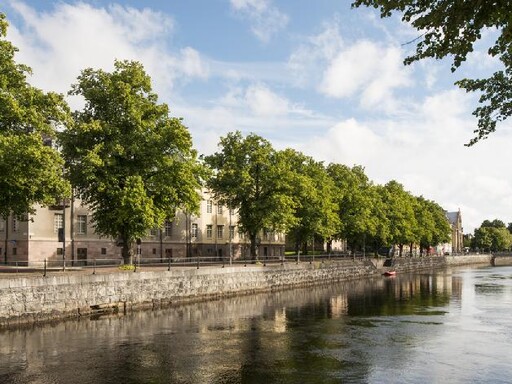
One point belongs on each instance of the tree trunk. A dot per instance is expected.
(254, 246)
(127, 253)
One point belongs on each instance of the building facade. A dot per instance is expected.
(66, 232)
(457, 243)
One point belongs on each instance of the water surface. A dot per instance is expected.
(453, 326)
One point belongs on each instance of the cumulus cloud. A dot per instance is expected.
(425, 152)
(260, 101)
(367, 69)
(61, 42)
(264, 102)
(266, 20)
(316, 52)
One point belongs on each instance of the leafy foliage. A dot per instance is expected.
(492, 238)
(314, 194)
(131, 162)
(451, 28)
(400, 212)
(30, 171)
(250, 175)
(432, 224)
(356, 202)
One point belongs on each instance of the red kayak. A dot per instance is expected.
(389, 273)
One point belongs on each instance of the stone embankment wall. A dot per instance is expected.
(37, 298)
(418, 263)
(33, 299)
(501, 260)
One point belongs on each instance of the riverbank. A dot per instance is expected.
(33, 299)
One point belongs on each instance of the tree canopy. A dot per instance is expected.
(452, 28)
(432, 225)
(127, 158)
(315, 196)
(356, 204)
(31, 169)
(251, 176)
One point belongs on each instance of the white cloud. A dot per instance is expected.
(315, 53)
(61, 42)
(192, 64)
(263, 102)
(260, 101)
(266, 20)
(366, 69)
(425, 152)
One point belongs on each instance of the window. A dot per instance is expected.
(59, 251)
(219, 209)
(209, 229)
(103, 251)
(168, 228)
(208, 206)
(220, 231)
(14, 251)
(81, 224)
(231, 211)
(194, 231)
(81, 254)
(241, 234)
(2, 225)
(231, 232)
(153, 232)
(57, 222)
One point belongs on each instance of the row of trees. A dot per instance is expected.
(291, 192)
(134, 165)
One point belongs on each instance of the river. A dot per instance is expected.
(452, 326)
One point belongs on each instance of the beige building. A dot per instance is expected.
(58, 232)
(457, 243)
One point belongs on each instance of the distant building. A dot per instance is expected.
(214, 233)
(457, 242)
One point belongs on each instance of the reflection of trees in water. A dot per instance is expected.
(404, 294)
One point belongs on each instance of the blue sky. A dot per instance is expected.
(316, 76)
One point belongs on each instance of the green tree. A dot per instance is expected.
(496, 223)
(31, 170)
(379, 211)
(356, 199)
(493, 239)
(314, 193)
(128, 159)
(452, 28)
(432, 225)
(400, 212)
(250, 175)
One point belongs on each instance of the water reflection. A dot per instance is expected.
(401, 329)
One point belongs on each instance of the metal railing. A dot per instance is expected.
(105, 265)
